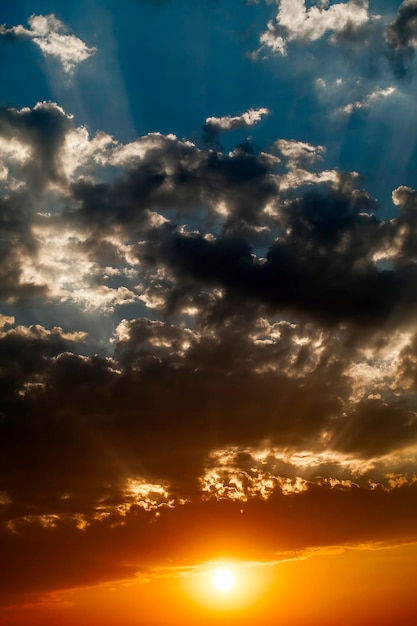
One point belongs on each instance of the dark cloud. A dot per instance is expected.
(294, 274)
(322, 266)
(25, 133)
(195, 532)
(277, 320)
(43, 130)
(118, 424)
(375, 428)
(401, 37)
(18, 247)
(313, 255)
(179, 179)
(99, 422)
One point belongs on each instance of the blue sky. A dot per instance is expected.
(166, 66)
(208, 265)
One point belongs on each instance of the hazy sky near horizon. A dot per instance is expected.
(208, 287)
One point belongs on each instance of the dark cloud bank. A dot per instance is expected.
(272, 310)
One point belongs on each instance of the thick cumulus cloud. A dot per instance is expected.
(40, 131)
(52, 37)
(32, 145)
(401, 36)
(402, 32)
(322, 264)
(296, 22)
(261, 354)
(115, 464)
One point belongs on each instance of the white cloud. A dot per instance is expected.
(294, 22)
(300, 153)
(229, 122)
(368, 101)
(79, 149)
(300, 157)
(69, 274)
(52, 37)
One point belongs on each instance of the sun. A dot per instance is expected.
(223, 579)
(225, 585)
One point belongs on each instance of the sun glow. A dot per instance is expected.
(223, 579)
(226, 585)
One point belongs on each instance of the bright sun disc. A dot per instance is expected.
(223, 579)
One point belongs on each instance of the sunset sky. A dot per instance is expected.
(208, 322)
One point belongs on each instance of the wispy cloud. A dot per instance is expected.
(368, 101)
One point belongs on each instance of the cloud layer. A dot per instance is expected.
(244, 337)
(198, 343)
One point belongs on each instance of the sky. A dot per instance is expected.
(208, 288)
